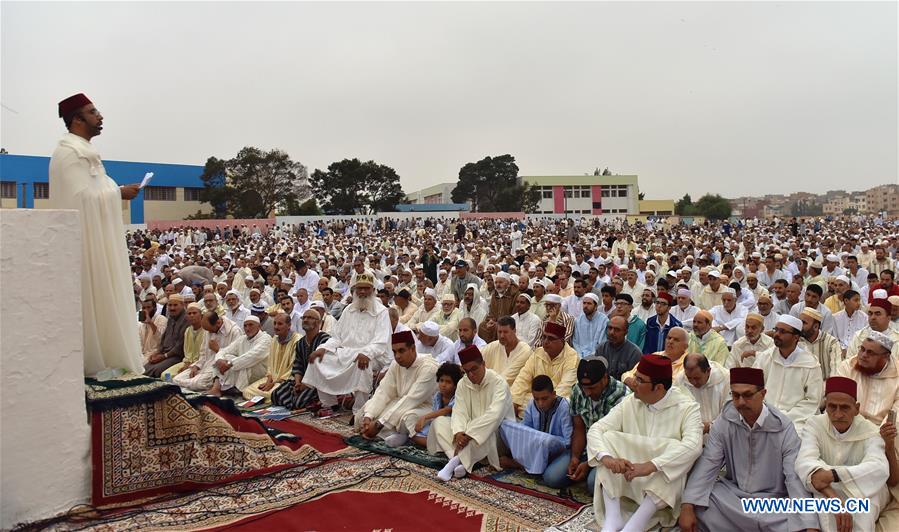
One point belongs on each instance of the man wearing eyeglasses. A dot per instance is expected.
(643, 450)
(874, 369)
(757, 445)
(793, 375)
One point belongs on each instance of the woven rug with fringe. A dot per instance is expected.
(148, 440)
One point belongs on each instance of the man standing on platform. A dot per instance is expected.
(79, 181)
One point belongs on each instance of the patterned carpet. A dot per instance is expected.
(497, 508)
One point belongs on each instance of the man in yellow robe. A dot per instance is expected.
(555, 359)
(280, 358)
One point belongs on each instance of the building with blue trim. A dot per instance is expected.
(173, 194)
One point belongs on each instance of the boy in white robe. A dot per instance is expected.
(544, 432)
(842, 455)
(483, 401)
(646, 446)
(403, 395)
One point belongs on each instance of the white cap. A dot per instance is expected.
(880, 293)
(592, 296)
(251, 318)
(881, 339)
(792, 321)
(553, 298)
(429, 328)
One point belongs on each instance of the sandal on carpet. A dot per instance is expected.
(325, 412)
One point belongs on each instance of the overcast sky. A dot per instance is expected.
(732, 98)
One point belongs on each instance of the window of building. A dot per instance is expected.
(568, 192)
(41, 190)
(159, 193)
(192, 193)
(614, 191)
(8, 190)
(547, 192)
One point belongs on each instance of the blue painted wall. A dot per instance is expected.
(30, 169)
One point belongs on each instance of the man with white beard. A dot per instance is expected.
(359, 348)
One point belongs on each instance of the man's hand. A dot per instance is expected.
(420, 424)
(460, 440)
(844, 522)
(631, 383)
(616, 465)
(268, 384)
(193, 371)
(214, 345)
(888, 433)
(640, 470)
(517, 408)
(156, 358)
(129, 192)
(362, 361)
(687, 519)
(580, 472)
(706, 425)
(223, 366)
(370, 429)
(821, 479)
(747, 354)
(317, 354)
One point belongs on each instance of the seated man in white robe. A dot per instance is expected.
(793, 376)
(404, 394)
(469, 435)
(842, 455)
(544, 432)
(242, 362)
(234, 309)
(468, 335)
(709, 385)
(874, 369)
(431, 342)
(358, 349)
(757, 445)
(742, 354)
(646, 446)
(220, 332)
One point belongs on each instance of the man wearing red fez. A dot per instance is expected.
(643, 450)
(555, 359)
(878, 321)
(843, 455)
(404, 394)
(757, 445)
(79, 181)
(469, 435)
(659, 325)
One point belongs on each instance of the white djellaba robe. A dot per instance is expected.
(403, 396)
(337, 372)
(247, 357)
(795, 385)
(667, 433)
(858, 457)
(712, 396)
(744, 344)
(79, 181)
(227, 334)
(479, 411)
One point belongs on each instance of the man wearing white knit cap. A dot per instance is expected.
(429, 341)
(685, 310)
(792, 376)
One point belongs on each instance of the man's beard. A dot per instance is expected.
(362, 304)
(867, 371)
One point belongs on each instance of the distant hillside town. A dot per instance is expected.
(883, 200)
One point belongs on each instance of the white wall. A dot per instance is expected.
(44, 435)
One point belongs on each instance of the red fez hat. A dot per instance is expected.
(666, 296)
(72, 104)
(655, 367)
(470, 354)
(554, 329)
(747, 376)
(884, 304)
(402, 337)
(841, 385)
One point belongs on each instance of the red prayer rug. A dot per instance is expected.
(149, 440)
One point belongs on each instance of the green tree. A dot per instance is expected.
(491, 185)
(684, 206)
(307, 208)
(713, 207)
(253, 184)
(351, 186)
